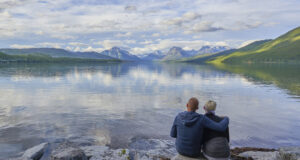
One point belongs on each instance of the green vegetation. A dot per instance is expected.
(284, 76)
(41, 58)
(284, 49)
(203, 58)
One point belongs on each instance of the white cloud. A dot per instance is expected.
(91, 49)
(19, 46)
(80, 44)
(247, 42)
(127, 34)
(204, 26)
(186, 18)
(107, 44)
(130, 8)
(155, 35)
(187, 44)
(144, 22)
(49, 44)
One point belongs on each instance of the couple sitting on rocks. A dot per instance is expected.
(195, 132)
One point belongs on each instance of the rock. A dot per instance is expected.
(36, 152)
(69, 154)
(181, 157)
(260, 155)
(105, 153)
(289, 153)
(152, 149)
(68, 151)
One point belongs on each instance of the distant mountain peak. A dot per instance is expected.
(120, 53)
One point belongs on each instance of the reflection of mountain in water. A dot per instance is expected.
(283, 76)
(114, 69)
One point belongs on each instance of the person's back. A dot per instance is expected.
(216, 143)
(188, 129)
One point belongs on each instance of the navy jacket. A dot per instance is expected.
(188, 130)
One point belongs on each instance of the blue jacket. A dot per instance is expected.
(188, 130)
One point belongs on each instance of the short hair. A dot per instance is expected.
(193, 103)
(210, 105)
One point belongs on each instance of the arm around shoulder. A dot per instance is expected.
(221, 126)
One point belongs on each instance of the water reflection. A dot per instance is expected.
(112, 103)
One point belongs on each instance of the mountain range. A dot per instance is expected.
(177, 53)
(174, 53)
(285, 48)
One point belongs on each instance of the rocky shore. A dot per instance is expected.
(141, 149)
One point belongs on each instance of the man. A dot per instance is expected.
(188, 129)
(215, 143)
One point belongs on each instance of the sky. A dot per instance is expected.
(143, 26)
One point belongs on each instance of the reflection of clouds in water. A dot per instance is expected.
(126, 101)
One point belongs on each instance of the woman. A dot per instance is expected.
(216, 144)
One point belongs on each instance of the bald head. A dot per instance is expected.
(192, 104)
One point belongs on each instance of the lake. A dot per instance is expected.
(111, 103)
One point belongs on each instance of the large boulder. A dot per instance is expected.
(68, 151)
(289, 153)
(152, 149)
(35, 153)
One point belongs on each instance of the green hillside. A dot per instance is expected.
(206, 57)
(41, 58)
(285, 48)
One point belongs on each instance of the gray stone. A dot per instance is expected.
(69, 154)
(289, 153)
(36, 152)
(105, 153)
(152, 149)
(259, 155)
(68, 151)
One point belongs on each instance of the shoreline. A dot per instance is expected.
(141, 149)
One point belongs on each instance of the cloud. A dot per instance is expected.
(5, 4)
(204, 26)
(186, 18)
(166, 44)
(240, 25)
(146, 23)
(49, 44)
(80, 44)
(246, 43)
(127, 34)
(155, 35)
(107, 44)
(19, 46)
(130, 8)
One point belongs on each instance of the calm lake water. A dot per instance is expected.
(110, 104)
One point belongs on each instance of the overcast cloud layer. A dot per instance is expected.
(142, 26)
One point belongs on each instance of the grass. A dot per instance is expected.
(284, 49)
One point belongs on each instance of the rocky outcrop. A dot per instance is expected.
(105, 153)
(68, 151)
(146, 149)
(152, 149)
(289, 153)
(35, 153)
